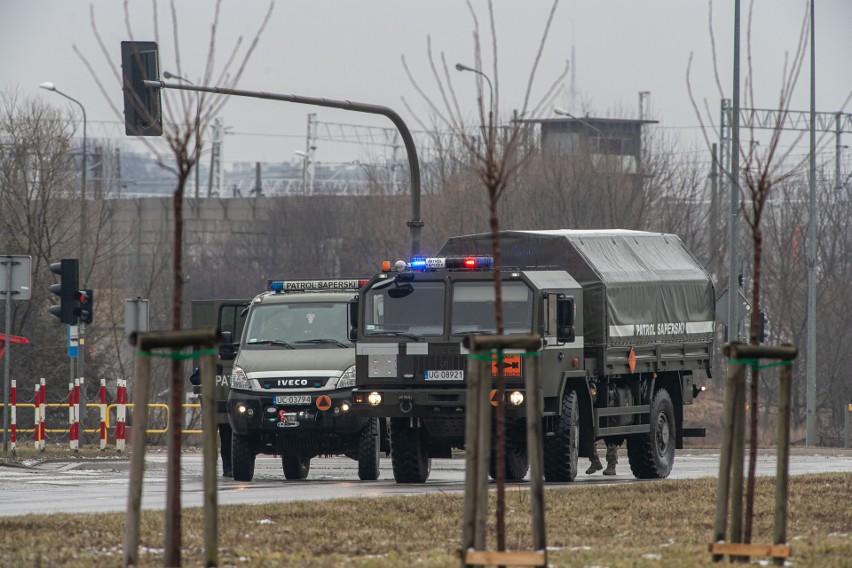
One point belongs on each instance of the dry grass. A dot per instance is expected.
(668, 523)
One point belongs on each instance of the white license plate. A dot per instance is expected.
(293, 399)
(445, 375)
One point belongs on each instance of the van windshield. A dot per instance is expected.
(298, 324)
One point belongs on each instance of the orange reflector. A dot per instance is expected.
(631, 360)
(511, 366)
(493, 398)
(386, 266)
(323, 402)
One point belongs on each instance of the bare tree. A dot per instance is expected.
(184, 120)
(764, 164)
(495, 160)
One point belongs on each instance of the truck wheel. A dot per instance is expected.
(517, 458)
(562, 449)
(652, 455)
(409, 454)
(295, 467)
(242, 457)
(368, 451)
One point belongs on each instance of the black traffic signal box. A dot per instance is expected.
(66, 289)
(86, 309)
(142, 107)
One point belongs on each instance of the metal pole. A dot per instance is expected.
(810, 434)
(733, 259)
(737, 455)
(846, 426)
(6, 359)
(415, 224)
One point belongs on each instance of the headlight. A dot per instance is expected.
(347, 379)
(374, 398)
(239, 380)
(516, 398)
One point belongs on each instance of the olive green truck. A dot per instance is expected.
(627, 326)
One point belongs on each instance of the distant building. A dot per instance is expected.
(614, 141)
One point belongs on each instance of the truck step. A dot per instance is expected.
(694, 432)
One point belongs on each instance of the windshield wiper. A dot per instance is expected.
(323, 340)
(473, 332)
(410, 336)
(272, 342)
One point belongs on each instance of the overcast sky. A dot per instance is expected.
(352, 50)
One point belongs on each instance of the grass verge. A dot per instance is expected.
(666, 523)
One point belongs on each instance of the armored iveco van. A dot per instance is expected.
(627, 326)
(292, 380)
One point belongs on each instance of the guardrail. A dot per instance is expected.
(73, 428)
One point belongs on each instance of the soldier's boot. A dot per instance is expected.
(611, 459)
(596, 465)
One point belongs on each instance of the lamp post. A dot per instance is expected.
(51, 87)
(460, 67)
(562, 112)
(168, 75)
(81, 359)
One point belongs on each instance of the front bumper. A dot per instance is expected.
(421, 403)
(329, 412)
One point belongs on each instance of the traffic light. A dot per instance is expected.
(66, 289)
(142, 108)
(87, 303)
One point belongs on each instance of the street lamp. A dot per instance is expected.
(81, 407)
(562, 112)
(48, 86)
(460, 67)
(168, 75)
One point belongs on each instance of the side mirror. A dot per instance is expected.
(352, 329)
(227, 352)
(565, 309)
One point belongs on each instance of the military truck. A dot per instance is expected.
(292, 380)
(627, 326)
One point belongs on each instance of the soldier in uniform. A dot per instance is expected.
(611, 460)
(222, 388)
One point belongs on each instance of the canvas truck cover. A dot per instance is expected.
(639, 287)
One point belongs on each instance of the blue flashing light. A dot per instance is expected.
(418, 263)
(276, 285)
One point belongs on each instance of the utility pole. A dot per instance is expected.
(810, 395)
(215, 179)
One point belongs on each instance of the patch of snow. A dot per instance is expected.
(667, 544)
(839, 535)
(266, 522)
(652, 556)
(578, 548)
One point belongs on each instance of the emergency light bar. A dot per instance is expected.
(314, 285)
(423, 263)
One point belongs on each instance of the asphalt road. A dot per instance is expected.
(101, 485)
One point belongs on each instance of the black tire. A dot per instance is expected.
(368, 451)
(517, 458)
(652, 455)
(563, 448)
(295, 467)
(242, 457)
(409, 454)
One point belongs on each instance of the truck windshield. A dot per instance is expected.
(298, 324)
(414, 308)
(473, 308)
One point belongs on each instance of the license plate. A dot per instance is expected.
(293, 399)
(456, 375)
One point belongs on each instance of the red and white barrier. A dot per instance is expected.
(103, 429)
(120, 415)
(36, 420)
(73, 421)
(42, 413)
(13, 416)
